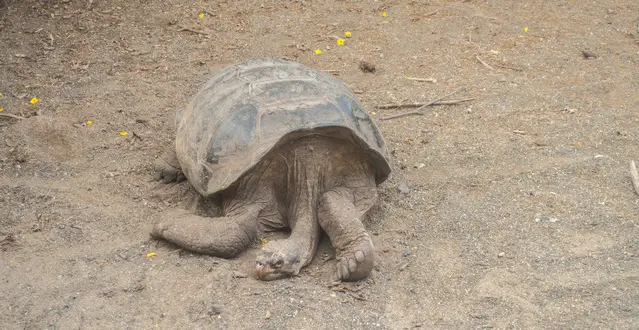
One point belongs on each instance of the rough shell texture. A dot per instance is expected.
(247, 109)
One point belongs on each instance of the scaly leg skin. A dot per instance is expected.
(224, 237)
(284, 258)
(342, 222)
(167, 167)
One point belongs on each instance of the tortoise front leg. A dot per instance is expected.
(341, 220)
(167, 167)
(223, 237)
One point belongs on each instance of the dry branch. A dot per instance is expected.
(419, 110)
(417, 105)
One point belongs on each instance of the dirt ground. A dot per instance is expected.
(516, 209)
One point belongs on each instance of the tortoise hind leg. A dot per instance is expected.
(167, 167)
(223, 237)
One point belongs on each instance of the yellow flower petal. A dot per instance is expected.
(150, 255)
(34, 100)
(1, 109)
(124, 133)
(383, 14)
(201, 15)
(348, 34)
(89, 122)
(263, 241)
(526, 29)
(318, 52)
(340, 41)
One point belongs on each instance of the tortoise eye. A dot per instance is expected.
(278, 263)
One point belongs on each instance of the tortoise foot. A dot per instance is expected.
(356, 261)
(167, 168)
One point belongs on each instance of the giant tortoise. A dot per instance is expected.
(282, 146)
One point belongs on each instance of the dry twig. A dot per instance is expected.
(194, 31)
(11, 116)
(484, 63)
(422, 79)
(417, 105)
(419, 110)
(634, 176)
(508, 67)
(431, 13)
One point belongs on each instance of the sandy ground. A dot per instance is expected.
(516, 210)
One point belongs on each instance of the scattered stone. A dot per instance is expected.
(213, 309)
(501, 254)
(547, 219)
(403, 188)
(588, 54)
(367, 66)
(268, 315)
(237, 274)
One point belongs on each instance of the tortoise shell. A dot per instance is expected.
(249, 108)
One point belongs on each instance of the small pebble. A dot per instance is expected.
(268, 315)
(403, 188)
(547, 219)
(367, 66)
(501, 254)
(588, 54)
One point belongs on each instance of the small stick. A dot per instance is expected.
(519, 132)
(508, 67)
(634, 176)
(334, 72)
(193, 30)
(418, 111)
(422, 79)
(11, 116)
(431, 13)
(484, 63)
(417, 105)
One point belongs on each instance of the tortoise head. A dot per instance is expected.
(276, 261)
